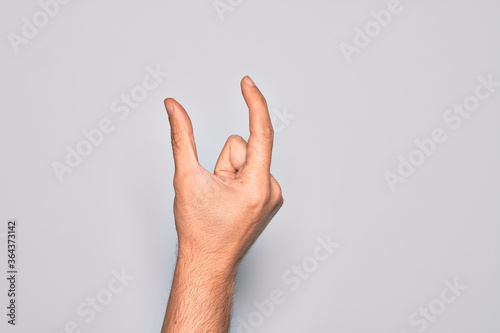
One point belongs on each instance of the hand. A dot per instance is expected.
(219, 216)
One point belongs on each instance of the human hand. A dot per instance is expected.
(219, 216)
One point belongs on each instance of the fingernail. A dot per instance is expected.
(170, 107)
(249, 81)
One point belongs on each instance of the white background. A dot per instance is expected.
(351, 122)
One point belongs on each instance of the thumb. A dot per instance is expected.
(183, 144)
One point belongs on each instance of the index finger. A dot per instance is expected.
(260, 142)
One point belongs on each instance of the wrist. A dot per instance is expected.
(207, 254)
(212, 266)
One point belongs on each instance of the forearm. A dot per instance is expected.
(201, 297)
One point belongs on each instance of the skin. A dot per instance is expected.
(217, 216)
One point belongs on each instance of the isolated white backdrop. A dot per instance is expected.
(344, 120)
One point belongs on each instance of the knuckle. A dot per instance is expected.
(234, 137)
(262, 101)
(235, 140)
(277, 192)
(179, 136)
(258, 198)
(176, 138)
(267, 133)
